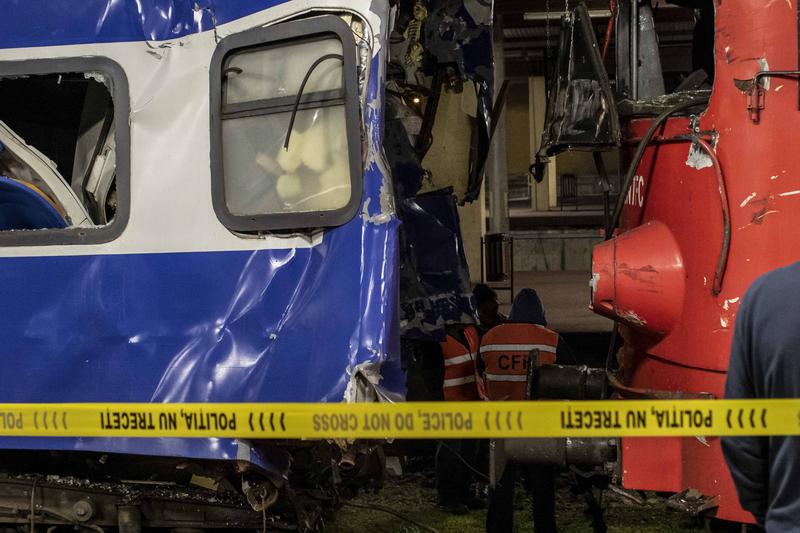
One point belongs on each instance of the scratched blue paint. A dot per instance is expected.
(228, 326)
(29, 23)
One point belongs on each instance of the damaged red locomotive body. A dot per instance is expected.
(713, 204)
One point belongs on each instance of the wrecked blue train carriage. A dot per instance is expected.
(196, 206)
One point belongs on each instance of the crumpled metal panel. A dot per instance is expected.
(258, 326)
(188, 327)
(263, 325)
(460, 32)
(434, 276)
(101, 21)
(581, 111)
(435, 281)
(407, 173)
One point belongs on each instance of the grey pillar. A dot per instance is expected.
(497, 171)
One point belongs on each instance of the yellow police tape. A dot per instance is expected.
(613, 418)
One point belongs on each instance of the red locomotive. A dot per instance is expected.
(711, 205)
(709, 202)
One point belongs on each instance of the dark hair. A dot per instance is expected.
(483, 293)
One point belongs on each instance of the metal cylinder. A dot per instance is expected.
(550, 451)
(568, 383)
(561, 451)
(83, 510)
(129, 519)
(260, 495)
(348, 461)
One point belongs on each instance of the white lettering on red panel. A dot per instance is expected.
(635, 195)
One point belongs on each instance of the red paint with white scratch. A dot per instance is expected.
(677, 330)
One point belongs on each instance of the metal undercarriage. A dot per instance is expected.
(130, 494)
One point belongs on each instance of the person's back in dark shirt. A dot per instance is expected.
(765, 363)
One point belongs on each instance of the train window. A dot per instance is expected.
(286, 144)
(64, 151)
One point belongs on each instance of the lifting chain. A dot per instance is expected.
(547, 25)
(547, 30)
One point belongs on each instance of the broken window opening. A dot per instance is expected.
(286, 144)
(58, 144)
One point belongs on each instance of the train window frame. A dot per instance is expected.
(116, 82)
(287, 34)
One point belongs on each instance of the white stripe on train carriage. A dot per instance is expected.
(454, 382)
(518, 348)
(458, 360)
(166, 93)
(506, 377)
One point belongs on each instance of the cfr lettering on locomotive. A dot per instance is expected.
(635, 196)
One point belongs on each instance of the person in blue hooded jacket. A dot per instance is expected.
(764, 364)
(527, 308)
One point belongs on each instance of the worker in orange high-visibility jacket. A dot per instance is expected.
(460, 354)
(457, 458)
(507, 351)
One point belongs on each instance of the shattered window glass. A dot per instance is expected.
(284, 153)
(57, 152)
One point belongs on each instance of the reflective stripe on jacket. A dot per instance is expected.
(506, 350)
(460, 351)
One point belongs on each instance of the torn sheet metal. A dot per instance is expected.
(366, 385)
(445, 45)
(61, 22)
(401, 126)
(460, 32)
(435, 284)
(698, 158)
(581, 112)
(434, 277)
